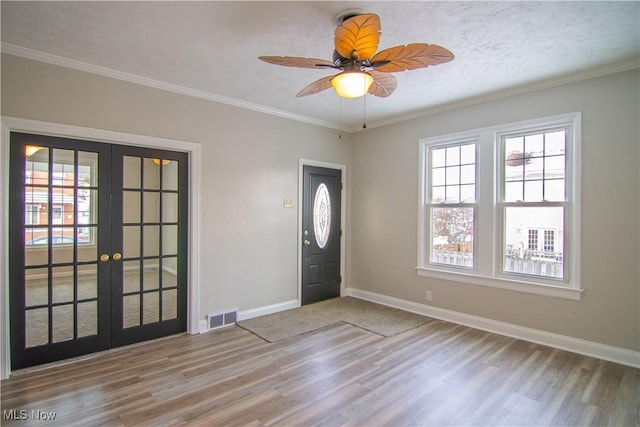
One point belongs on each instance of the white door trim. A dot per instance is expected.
(9, 124)
(343, 218)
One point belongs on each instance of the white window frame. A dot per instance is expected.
(488, 227)
(429, 205)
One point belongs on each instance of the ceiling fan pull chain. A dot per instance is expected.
(364, 112)
(340, 127)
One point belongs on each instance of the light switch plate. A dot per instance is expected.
(287, 202)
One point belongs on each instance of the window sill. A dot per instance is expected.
(574, 294)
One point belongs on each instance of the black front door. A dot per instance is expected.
(321, 233)
(97, 246)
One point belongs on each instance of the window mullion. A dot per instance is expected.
(485, 235)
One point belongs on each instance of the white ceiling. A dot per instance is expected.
(210, 49)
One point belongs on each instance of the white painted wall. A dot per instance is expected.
(385, 196)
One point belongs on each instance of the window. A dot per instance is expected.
(451, 203)
(499, 206)
(549, 241)
(56, 214)
(31, 214)
(533, 240)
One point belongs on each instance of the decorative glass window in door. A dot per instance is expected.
(322, 215)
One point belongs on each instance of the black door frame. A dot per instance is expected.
(14, 124)
(110, 332)
(343, 220)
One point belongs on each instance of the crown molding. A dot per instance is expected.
(613, 68)
(36, 55)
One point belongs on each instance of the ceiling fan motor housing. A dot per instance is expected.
(346, 14)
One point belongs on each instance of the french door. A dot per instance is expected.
(98, 246)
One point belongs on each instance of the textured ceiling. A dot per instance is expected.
(210, 49)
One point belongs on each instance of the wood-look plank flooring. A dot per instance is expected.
(437, 374)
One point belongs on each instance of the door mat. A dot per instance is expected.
(376, 318)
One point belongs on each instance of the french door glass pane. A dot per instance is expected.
(131, 207)
(62, 283)
(151, 203)
(151, 307)
(169, 207)
(169, 304)
(170, 175)
(131, 172)
(131, 311)
(151, 174)
(131, 276)
(87, 282)
(131, 241)
(87, 169)
(37, 165)
(151, 240)
(36, 289)
(87, 319)
(87, 251)
(63, 322)
(170, 240)
(151, 278)
(169, 272)
(36, 327)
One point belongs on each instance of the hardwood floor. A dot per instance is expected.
(437, 374)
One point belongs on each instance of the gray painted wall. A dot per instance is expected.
(250, 162)
(385, 205)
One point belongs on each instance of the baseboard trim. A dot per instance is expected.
(588, 348)
(268, 309)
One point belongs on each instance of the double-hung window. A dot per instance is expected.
(500, 206)
(451, 202)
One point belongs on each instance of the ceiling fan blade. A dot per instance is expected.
(295, 61)
(410, 57)
(383, 84)
(358, 37)
(315, 87)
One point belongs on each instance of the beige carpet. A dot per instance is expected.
(373, 317)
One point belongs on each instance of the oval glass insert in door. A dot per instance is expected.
(322, 215)
(150, 249)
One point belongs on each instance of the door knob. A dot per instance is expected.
(306, 242)
(104, 257)
(117, 256)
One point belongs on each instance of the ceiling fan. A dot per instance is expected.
(362, 69)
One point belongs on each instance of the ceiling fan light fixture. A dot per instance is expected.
(352, 83)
